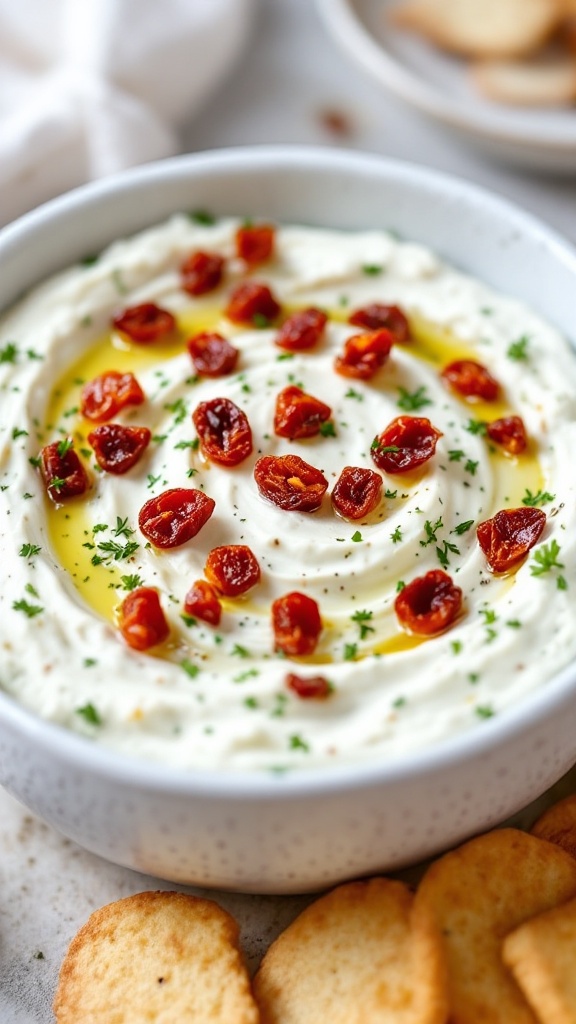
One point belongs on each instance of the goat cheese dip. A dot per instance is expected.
(216, 697)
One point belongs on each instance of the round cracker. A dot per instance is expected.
(558, 824)
(479, 893)
(483, 28)
(540, 954)
(156, 956)
(358, 955)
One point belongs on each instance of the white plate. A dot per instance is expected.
(439, 85)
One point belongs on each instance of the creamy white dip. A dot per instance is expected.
(217, 698)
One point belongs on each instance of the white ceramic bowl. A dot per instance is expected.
(311, 829)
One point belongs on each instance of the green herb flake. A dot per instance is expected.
(477, 427)
(545, 558)
(518, 350)
(431, 529)
(327, 429)
(203, 217)
(29, 550)
(463, 527)
(396, 536)
(9, 353)
(240, 652)
(356, 537)
(456, 455)
(413, 400)
(189, 668)
(352, 393)
(456, 646)
(484, 711)
(18, 432)
(540, 498)
(260, 321)
(30, 610)
(131, 582)
(372, 269)
(89, 714)
(350, 651)
(362, 618)
(297, 743)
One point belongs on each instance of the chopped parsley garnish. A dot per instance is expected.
(30, 610)
(519, 349)
(112, 550)
(456, 454)
(461, 528)
(122, 529)
(479, 427)
(456, 646)
(29, 550)
(327, 429)
(390, 494)
(362, 618)
(240, 652)
(9, 353)
(203, 217)
(484, 711)
(396, 536)
(431, 530)
(64, 446)
(189, 620)
(297, 743)
(351, 393)
(442, 553)
(190, 668)
(413, 400)
(18, 432)
(179, 408)
(377, 447)
(372, 269)
(131, 582)
(545, 559)
(540, 498)
(356, 537)
(194, 444)
(260, 321)
(89, 714)
(470, 466)
(350, 651)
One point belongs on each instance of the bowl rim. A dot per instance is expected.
(479, 741)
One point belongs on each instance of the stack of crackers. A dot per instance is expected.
(521, 51)
(489, 935)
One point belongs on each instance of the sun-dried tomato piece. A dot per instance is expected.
(103, 397)
(203, 602)
(428, 604)
(252, 303)
(378, 315)
(224, 431)
(141, 620)
(212, 355)
(296, 623)
(63, 473)
(290, 483)
(232, 569)
(298, 414)
(255, 243)
(301, 330)
(202, 272)
(356, 492)
(406, 443)
(471, 379)
(507, 537)
(510, 433)
(308, 688)
(145, 323)
(117, 448)
(364, 354)
(176, 515)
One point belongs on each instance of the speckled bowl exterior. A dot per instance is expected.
(308, 830)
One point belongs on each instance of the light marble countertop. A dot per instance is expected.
(291, 81)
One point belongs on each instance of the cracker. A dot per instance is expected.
(547, 81)
(479, 893)
(540, 954)
(358, 955)
(483, 28)
(558, 824)
(155, 956)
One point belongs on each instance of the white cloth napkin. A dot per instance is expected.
(88, 87)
